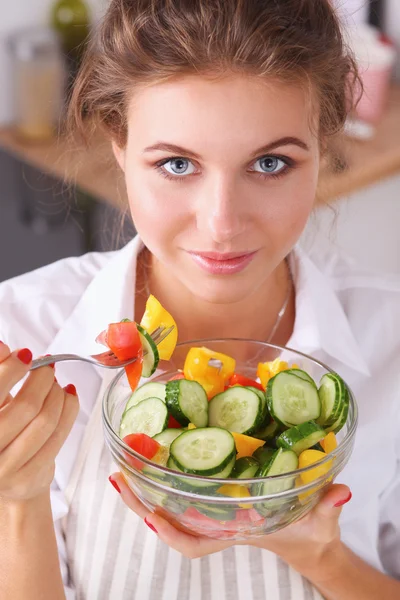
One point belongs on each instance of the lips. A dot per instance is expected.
(216, 263)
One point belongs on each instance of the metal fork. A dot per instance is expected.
(108, 360)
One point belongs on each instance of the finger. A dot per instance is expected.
(189, 545)
(132, 501)
(330, 506)
(52, 447)
(35, 435)
(13, 367)
(26, 405)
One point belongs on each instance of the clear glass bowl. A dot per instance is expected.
(203, 510)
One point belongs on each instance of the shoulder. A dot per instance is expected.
(35, 305)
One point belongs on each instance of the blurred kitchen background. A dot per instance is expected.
(58, 198)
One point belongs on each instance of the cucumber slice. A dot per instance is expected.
(237, 409)
(332, 393)
(264, 407)
(166, 437)
(263, 454)
(245, 468)
(269, 433)
(219, 513)
(203, 451)
(292, 400)
(151, 357)
(302, 374)
(282, 461)
(342, 418)
(301, 437)
(148, 390)
(194, 484)
(150, 416)
(187, 401)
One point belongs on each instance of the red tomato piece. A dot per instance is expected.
(123, 339)
(238, 379)
(142, 444)
(134, 370)
(173, 423)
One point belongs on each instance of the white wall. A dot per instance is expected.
(365, 227)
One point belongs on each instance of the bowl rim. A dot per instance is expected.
(341, 448)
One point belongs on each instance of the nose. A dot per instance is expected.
(219, 210)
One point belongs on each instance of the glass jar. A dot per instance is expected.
(38, 73)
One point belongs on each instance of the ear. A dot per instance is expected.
(119, 154)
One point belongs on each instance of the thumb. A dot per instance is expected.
(331, 503)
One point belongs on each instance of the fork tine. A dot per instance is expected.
(163, 334)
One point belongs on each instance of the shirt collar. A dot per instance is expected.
(321, 322)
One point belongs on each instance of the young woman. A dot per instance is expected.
(220, 114)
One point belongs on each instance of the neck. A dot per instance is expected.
(198, 319)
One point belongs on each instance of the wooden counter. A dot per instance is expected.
(94, 170)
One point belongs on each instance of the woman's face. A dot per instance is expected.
(221, 178)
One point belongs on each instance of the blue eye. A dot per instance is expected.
(179, 166)
(270, 165)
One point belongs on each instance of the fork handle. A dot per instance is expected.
(45, 361)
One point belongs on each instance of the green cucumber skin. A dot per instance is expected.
(302, 374)
(245, 468)
(269, 433)
(266, 419)
(327, 420)
(270, 397)
(263, 454)
(270, 468)
(220, 514)
(301, 437)
(172, 401)
(153, 353)
(214, 471)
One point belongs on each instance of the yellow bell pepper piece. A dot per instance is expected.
(156, 316)
(212, 378)
(246, 445)
(309, 457)
(191, 426)
(329, 443)
(235, 491)
(267, 370)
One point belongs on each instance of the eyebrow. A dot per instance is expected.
(180, 151)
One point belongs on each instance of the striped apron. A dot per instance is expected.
(113, 555)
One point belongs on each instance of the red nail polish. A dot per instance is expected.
(150, 525)
(52, 365)
(114, 484)
(341, 502)
(25, 356)
(70, 389)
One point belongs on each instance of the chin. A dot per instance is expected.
(222, 291)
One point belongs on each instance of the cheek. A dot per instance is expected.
(157, 212)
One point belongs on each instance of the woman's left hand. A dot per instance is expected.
(302, 544)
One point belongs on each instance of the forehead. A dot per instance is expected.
(225, 111)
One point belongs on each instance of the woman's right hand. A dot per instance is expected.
(33, 425)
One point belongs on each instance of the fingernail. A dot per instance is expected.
(52, 365)
(150, 525)
(70, 389)
(25, 356)
(341, 502)
(114, 484)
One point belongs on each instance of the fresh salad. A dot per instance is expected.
(209, 420)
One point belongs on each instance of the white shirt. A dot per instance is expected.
(344, 317)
